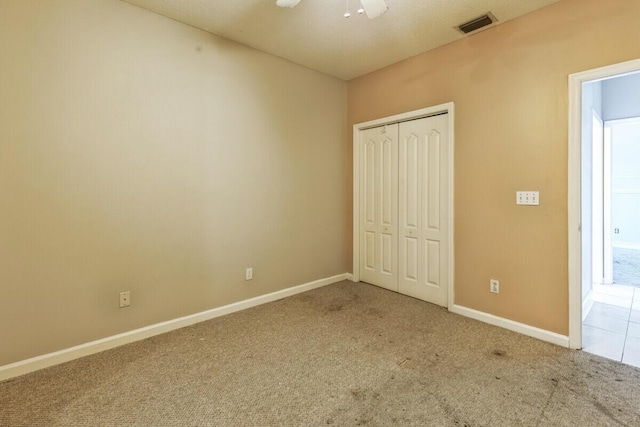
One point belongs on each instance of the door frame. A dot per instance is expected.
(574, 199)
(598, 206)
(447, 108)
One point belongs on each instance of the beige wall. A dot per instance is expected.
(137, 153)
(509, 85)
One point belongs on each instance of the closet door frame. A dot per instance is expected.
(447, 108)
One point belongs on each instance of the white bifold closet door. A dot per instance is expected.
(379, 207)
(404, 202)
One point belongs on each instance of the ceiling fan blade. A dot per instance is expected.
(374, 8)
(287, 3)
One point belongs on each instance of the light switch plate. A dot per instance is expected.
(528, 198)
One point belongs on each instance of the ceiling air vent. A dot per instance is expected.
(477, 23)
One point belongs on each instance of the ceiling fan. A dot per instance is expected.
(373, 8)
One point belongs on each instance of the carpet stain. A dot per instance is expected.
(335, 307)
(548, 402)
(375, 313)
(404, 362)
(305, 298)
(603, 409)
(357, 394)
(499, 353)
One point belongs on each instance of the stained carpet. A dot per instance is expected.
(347, 354)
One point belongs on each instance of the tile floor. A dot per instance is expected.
(612, 327)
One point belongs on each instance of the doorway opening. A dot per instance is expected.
(604, 206)
(623, 199)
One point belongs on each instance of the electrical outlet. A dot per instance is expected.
(528, 198)
(494, 286)
(125, 299)
(248, 274)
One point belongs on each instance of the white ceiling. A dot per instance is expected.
(316, 35)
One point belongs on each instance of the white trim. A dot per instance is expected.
(521, 328)
(607, 270)
(598, 198)
(575, 186)
(47, 360)
(587, 305)
(447, 108)
(574, 209)
(452, 260)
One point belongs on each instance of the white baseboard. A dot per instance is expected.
(521, 328)
(66, 355)
(350, 277)
(587, 305)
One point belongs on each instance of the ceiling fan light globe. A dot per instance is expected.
(287, 3)
(374, 8)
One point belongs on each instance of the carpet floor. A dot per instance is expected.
(346, 354)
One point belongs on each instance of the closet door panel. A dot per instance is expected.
(431, 180)
(422, 211)
(379, 206)
(410, 259)
(409, 207)
(432, 262)
(410, 181)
